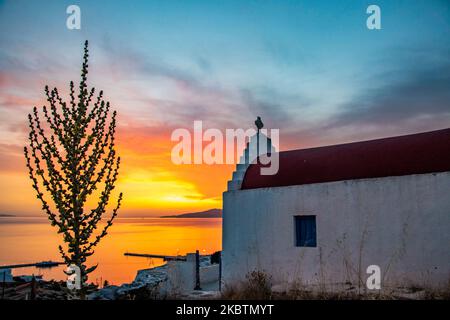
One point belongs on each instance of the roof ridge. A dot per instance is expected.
(367, 141)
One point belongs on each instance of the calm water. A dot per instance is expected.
(32, 239)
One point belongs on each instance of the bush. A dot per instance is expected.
(257, 286)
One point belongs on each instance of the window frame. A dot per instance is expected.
(297, 235)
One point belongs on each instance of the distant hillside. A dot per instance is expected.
(212, 213)
(6, 215)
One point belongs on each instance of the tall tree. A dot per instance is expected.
(71, 158)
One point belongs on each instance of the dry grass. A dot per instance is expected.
(258, 286)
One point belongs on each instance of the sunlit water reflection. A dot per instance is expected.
(32, 239)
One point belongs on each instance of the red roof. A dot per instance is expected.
(397, 156)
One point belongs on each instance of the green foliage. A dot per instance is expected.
(71, 155)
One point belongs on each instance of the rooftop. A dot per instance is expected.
(396, 156)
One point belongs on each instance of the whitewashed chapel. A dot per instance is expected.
(330, 212)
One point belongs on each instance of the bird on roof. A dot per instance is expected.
(259, 124)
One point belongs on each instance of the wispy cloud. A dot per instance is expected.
(410, 93)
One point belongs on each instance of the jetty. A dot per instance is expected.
(165, 258)
(42, 264)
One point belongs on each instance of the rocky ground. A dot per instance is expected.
(41, 290)
(150, 290)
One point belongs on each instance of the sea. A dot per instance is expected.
(33, 239)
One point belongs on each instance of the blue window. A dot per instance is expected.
(305, 231)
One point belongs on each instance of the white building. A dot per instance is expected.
(6, 276)
(330, 212)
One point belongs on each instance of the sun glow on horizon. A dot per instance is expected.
(162, 191)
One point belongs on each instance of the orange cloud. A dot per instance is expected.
(153, 183)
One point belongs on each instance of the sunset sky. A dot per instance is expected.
(309, 68)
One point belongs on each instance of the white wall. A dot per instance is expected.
(209, 274)
(181, 275)
(401, 224)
